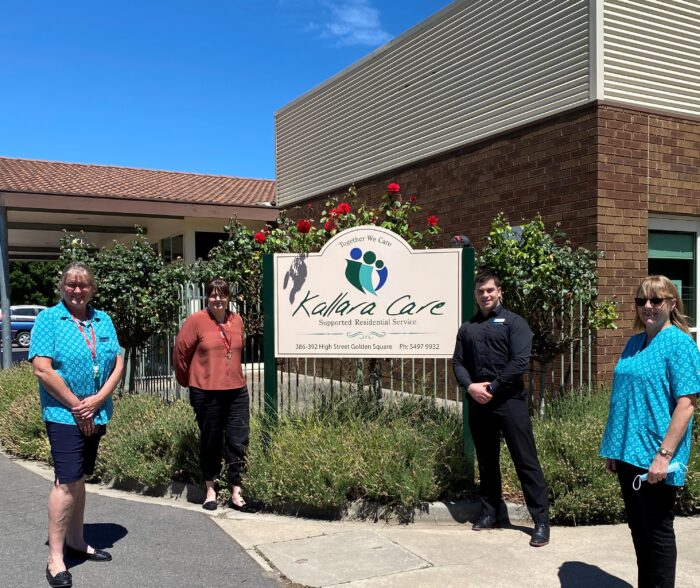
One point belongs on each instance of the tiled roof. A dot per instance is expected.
(50, 177)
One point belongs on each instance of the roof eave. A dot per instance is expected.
(125, 206)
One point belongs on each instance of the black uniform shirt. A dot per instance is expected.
(494, 348)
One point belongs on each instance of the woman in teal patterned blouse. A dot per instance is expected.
(76, 358)
(655, 387)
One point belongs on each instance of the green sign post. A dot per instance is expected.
(467, 312)
(269, 359)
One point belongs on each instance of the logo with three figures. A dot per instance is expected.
(365, 272)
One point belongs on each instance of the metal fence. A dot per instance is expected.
(305, 382)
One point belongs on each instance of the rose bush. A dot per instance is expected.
(303, 226)
(238, 259)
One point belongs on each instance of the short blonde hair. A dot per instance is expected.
(661, 287)
(78, 267)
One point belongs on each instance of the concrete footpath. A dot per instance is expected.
(161, 541)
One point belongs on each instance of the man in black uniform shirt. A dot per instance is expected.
(491, 355)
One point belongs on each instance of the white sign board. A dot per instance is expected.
(367, 294)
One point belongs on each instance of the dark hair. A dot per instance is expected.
(662, 287)
(486, 274)
(78, 267)
(218, 286)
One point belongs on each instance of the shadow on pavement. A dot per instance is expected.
(100, 536)
(576, 574)
(104, 535)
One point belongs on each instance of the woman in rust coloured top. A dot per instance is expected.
(207, 358)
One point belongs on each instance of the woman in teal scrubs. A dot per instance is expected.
(655, 387)
(76, 358)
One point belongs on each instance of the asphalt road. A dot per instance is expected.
(152, 545)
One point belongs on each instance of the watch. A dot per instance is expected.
(663, 452)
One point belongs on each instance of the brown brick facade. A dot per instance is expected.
(598, 171)
(648, 164)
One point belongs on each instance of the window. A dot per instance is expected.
(171, 248)
(673, 255)
(204, 242)
(674, 251)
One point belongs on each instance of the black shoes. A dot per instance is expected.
(540, 535)
(240, 508)
(209, 505)
(486, 522)
(60, 580)
(99, 554)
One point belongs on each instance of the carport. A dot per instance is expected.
(180, 212)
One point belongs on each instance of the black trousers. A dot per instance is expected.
(507, 415)
(222, 415)
(650, 519)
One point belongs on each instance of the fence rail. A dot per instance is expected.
(302, 382)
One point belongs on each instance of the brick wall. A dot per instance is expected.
(598, 171)
(547, 168)
(648, 163)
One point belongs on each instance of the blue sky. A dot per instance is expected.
(182, 85)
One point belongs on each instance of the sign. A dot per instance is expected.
(367, 294)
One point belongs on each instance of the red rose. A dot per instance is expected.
(343, 208)
(333, 212)
(393, 188)
(412, 198)
(432, 220)
(330, 226)
(260, 237)
(303, 226)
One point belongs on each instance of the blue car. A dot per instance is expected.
(22, 322)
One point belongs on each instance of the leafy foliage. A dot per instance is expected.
(150, 443)
(546, 280)
(135, 287)
(239, 258)
(22, 431)
(33, 282)
(398, 454)
(581, 491)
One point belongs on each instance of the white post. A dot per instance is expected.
(5, 291)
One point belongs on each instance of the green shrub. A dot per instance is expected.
(689, 502)
(403, 454)
(22, 432)
(581, 491)
(399, 454)
(149, 443)
(16, 382)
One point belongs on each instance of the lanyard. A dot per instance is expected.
(224, 338)
(92, 347)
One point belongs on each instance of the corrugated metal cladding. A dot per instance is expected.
(474, 69)
(652, 53)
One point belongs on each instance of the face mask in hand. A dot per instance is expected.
(674, 467)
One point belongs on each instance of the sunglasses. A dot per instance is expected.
(655, 301)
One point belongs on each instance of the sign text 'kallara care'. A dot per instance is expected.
(367, 294)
